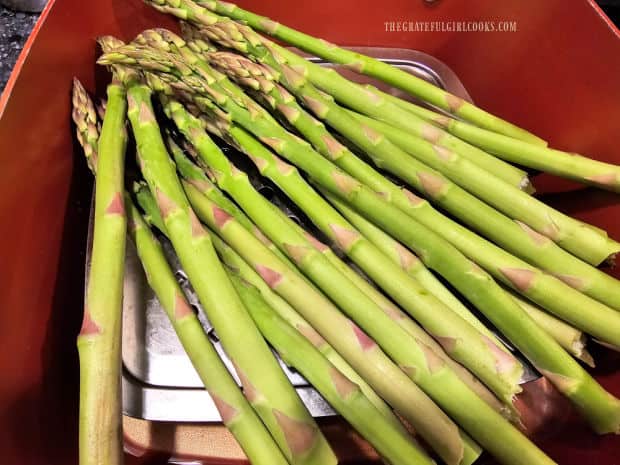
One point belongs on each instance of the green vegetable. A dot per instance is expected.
(98, 342)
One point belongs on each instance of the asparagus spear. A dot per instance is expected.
(417, 360)
(192, 172)
(296, 116)
(99, 339)
(555, 260)
(499, 168)
(395, 446)
(409, 263)
(380, 407)
(265, 386)
(398, 392)
(237, 414)
(371, 67)
(354, 96)
(84, 117)
(168, 41)
(573, 235)
(569, 233)
(602, 287)
(572, 339)
(437, 117)
(608, 413)
(463, 343)
(568, 165)
(542, 350)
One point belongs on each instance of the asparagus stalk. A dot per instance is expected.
(574, 236)
(354, 96)
(462, 342)
(373, 365)
(394, 445)
(431, 115)
(84, 117)
(534, 247)
(417, 360)
(569, 233)
(409, 263)
(371, 67)
(265, 385)
(607, 403)
(567, 165)
(604, 412)
(341, 333)
(543, 351)
(388, 307)
(549, 292)
(98, 342)
(570, 338)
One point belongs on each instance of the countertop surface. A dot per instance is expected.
(16, 26)
(14, 30)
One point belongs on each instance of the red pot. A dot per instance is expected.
(557, 75)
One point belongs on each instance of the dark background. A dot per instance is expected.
(612, 8)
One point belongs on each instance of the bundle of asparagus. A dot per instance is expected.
(384, 321)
